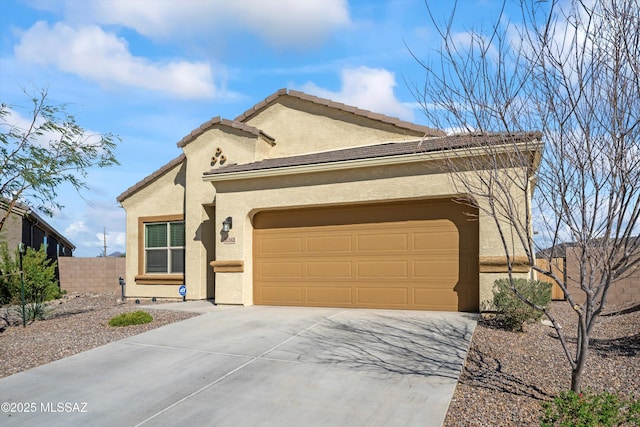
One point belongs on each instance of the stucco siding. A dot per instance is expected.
(200, 217)
(299, 128)
(164, 196)
(242, 199)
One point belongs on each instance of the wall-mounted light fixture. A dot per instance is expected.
(227, 224)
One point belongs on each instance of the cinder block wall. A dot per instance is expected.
(91, 274)
(625, 290)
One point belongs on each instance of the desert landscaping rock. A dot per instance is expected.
(75, 323)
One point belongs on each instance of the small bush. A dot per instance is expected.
(511, 311)
(132, 318)
(590, 409)
(40, 284)
(33, 311)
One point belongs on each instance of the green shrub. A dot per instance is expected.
(132, 318)
(40, 282)
(511, 311)
(590, 409)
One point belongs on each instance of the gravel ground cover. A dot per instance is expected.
(505, 378)
(75, 323)
(507, 375)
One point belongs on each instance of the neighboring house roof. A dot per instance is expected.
(378, 151)
(26, 212)
(557, 251)
(560, 250)
(338, 106)
(149, 179)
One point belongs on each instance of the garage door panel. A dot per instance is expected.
(438, 297)
(443, 240)
(379, 296)
(387, 242)
(329, 270)
(378, 269)
(280, 270)
(278, 294)
(330, 295)
(281, 245)
(329, 244)
(441, 268)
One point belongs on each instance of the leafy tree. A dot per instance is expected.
(571, 70)
(51, 149)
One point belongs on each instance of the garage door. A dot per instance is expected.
(411, 255)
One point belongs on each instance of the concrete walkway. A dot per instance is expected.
(255, 366)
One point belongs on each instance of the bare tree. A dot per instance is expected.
(44, 151)
(570, 70)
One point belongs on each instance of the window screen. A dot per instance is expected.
(164, 247)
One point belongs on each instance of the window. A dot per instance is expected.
(164, 247)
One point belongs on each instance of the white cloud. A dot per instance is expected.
(18, 124)
(278, 22)
(367, 88)
(92, 53)
(115, 241)
(91, 220)
(75, 229)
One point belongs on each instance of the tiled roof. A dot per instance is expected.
(377, 151)
(223, 122)
(426, 131)
(129, 191)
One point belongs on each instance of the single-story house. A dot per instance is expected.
(305, 201)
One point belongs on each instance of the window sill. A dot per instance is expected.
(160, 280)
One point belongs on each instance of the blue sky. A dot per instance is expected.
(150, 71)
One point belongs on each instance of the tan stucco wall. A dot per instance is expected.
(242, 199)
(202, 221)
(165, 196)
(300, 128)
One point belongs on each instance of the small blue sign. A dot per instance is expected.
(182, 290)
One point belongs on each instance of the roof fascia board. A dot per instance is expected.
(369, 162)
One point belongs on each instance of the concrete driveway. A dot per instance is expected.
(256, 366)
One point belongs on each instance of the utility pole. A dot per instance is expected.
(104, 234)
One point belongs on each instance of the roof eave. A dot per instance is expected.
(358, 163)
(150, 178)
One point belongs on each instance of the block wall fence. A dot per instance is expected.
(94, 275)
